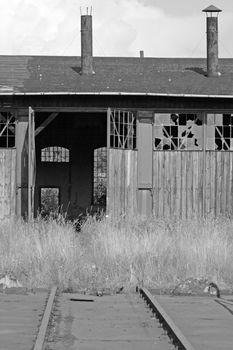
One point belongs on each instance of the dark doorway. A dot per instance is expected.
(49, 200)
(65, 153)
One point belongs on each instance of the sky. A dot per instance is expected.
(162, 28)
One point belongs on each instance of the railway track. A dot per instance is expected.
(113, 314)
(172, 331)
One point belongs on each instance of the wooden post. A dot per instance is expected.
(145, 162)
(31, 162)
(108, 155)
(21, 163)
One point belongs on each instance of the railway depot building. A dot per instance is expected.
(131, 135)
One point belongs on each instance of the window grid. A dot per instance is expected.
(55, 154)
(7, 129)
(178, 132)
(220, 132)
(100, 176)
(122, 129)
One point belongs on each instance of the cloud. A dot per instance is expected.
(121, 28)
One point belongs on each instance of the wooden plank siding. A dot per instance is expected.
(122, 182)
(7, 183)
(178, 183)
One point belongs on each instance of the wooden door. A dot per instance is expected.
(121, 162)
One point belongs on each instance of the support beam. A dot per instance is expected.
(46, 123)
(145, 162)
(21, 163)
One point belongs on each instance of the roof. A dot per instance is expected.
(61, 75)
(212, 8)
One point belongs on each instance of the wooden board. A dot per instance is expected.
(184, 188)
(122, 182)
(7, 183)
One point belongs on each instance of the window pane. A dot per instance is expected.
(178, 131)
(55, 154)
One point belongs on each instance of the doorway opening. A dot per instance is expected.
(71, 167)
(49, 200)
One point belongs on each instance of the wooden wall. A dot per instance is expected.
(187, 184)
(7, 182)
(122, 182)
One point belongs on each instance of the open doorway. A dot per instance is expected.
(71, 163)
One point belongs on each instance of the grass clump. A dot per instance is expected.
(110, 253)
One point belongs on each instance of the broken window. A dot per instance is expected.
(7, 129)
(178, 131)
(122, 129)
(55, 154)
(49, 200)
(219, 132)
(100, 176)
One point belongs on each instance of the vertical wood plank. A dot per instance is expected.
(228, 181)
(212, 158)
(218, 183)
(166, 175)
(178, 184)
(183, 184)
(231, 185)
(155, 183)
(224, 182)
(7, 183)
(161, 174)
(172, 183)
(189, 198)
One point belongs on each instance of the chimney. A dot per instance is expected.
(141, 53)
(86, 44)
(212, 40)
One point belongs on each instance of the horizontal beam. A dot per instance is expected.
(107, 93)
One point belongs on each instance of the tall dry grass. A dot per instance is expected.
(111, 253)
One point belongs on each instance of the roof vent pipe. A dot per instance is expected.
(86, 44)
(141, 54)
(212, 40)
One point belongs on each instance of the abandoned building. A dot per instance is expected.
(152, 136)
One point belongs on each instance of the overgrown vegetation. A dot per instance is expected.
(112, 253)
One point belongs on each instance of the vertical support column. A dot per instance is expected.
(22, 163)
(31, 162)
(108, 160)
(145, 163)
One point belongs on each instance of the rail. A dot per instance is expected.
(173, 331)
(40, 339)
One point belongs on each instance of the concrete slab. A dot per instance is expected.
(205, 323)
(109, 322)
(19, 319)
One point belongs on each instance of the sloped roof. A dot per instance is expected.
(55, 74)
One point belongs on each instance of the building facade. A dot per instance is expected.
(152, 136)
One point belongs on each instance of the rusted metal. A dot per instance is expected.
(45, 321)
(173, 331)
(86, 45)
